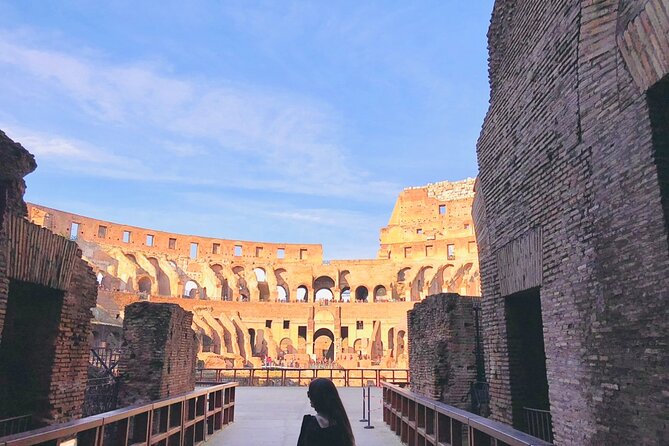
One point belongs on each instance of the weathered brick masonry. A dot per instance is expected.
(160, 351)
(442, 338)
(570, 219)
(46, 293)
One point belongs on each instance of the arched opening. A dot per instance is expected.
(281, 281)
(344, 279)
(361, 294)
(261, 275)
(380, 294)
(164, 288)
(286, 346)
(132, 258)
(207, 343)
(400, 342)
(302, 294)
(107, 282)
(144, 285)
(324, 294)
(226, 293)
(324, 344)
(282, 295)
(357, 347)
(100, 276)
(345, 295)
(323, 288)
(191, 289)
(402, 274)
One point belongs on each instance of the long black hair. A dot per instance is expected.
(325, 399)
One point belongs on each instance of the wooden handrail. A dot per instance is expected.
(188, 426)
(420, 420)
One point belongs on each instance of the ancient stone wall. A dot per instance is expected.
(159, 353)
(46, 293)
(240, 333)
(160, 270)
(442, 341)
(573, 251)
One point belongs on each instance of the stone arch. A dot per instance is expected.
(402, 275)
(344, 279)
(361, 293)
(324, 343)
(226, 293)
(321, 284)
(380, 294)
(358, 346)
(324, 295)
(302, 293)
(419, 283)
(107, 282)
(164, 286)
(261, 275)
(282, 293)
(144, 284)
(400, 344)
(191, 289)
(282, 281)
(345, 295)
(286, 346)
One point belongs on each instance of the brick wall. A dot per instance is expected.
(159, 352)
(568, 187)
(33, 260)
(442, 340)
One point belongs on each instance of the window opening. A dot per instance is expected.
(74, 231)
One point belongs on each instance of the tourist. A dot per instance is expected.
(330, 426)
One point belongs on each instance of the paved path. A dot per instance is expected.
(271, 416)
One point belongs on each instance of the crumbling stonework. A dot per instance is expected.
(570, 219)
(256, 299)
(46, 293)
(159, 353)
(442, 342)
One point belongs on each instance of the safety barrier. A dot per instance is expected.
(419, 421)
(183, 420)
(283, 376)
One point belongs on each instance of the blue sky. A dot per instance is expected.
(294, 122)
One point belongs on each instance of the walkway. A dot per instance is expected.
(271, 416)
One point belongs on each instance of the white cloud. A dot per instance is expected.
(271, 139)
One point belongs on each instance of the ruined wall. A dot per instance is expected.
(46, 293)
(442, 341)
(159, 270)
(372, 327)
(159, 353)
(569, 213)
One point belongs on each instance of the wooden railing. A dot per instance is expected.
(421, 421)
(275, 376)
(183, 420)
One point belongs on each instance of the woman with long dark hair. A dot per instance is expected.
(330, 426)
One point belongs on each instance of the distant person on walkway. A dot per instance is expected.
(330, 425)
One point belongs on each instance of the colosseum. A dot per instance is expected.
(254, 300)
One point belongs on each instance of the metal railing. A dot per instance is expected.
(538, 423)
(275, 376)
(185, 419)
(14, 425)
(420, 421)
